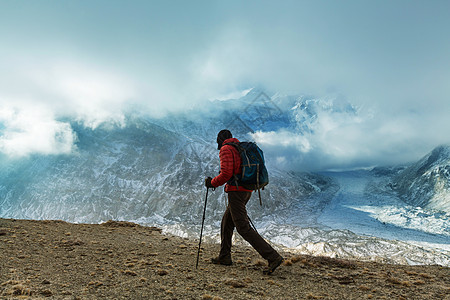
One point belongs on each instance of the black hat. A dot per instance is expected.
(222, 136)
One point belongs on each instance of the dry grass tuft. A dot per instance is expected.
(296, 259)
(406, 283)
(424, 275)
(398, 281)
(411, 272)
(235, 283)
(260, 263)
(394, 280)
(309, 264)
(95, 283)
(287, 262)
(129, 272)
(364, 288)
(10, 282)
(19, 290)
(335, 262)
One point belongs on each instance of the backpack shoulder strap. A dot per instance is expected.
(236, 145)
(239, 149)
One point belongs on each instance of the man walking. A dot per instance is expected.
(236, 214)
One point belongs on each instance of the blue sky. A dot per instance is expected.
(93, 60)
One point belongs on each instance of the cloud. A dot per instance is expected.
(30, 130)
(90, 94)
(95, 63)
(328, 134)
(38, 100)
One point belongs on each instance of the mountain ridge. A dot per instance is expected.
(426, 183)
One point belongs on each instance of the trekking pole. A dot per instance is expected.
(257, 184)
(201, 231)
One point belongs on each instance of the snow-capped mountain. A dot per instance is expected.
(140, 172)
(427, 182)
(151, 171)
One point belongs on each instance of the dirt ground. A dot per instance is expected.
(121, 260)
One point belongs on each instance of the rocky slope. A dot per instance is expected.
(427, 182)
(121, 260)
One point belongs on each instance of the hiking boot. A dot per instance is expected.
(273, 265)
(226, 260)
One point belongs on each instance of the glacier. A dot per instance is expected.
(151, 172)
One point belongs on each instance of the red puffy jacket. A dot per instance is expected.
(230, 164)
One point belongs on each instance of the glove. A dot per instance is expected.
(208, 183)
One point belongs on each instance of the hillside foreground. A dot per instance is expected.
(122, 260)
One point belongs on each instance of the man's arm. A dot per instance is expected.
(226, 166)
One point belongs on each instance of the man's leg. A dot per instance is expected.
(237, 202)
(226, 234)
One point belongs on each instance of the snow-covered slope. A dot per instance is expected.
(139, 172)
(109, 177)
(427, 182)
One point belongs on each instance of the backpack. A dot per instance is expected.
(254, 174)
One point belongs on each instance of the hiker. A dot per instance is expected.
(236, 214)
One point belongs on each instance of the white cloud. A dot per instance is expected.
(328, 137)
(87, 94)
(36, 97)
(30, 130)
(283, 139)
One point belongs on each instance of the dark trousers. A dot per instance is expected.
(236, 216)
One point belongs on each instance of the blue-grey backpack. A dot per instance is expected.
(254, 174)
